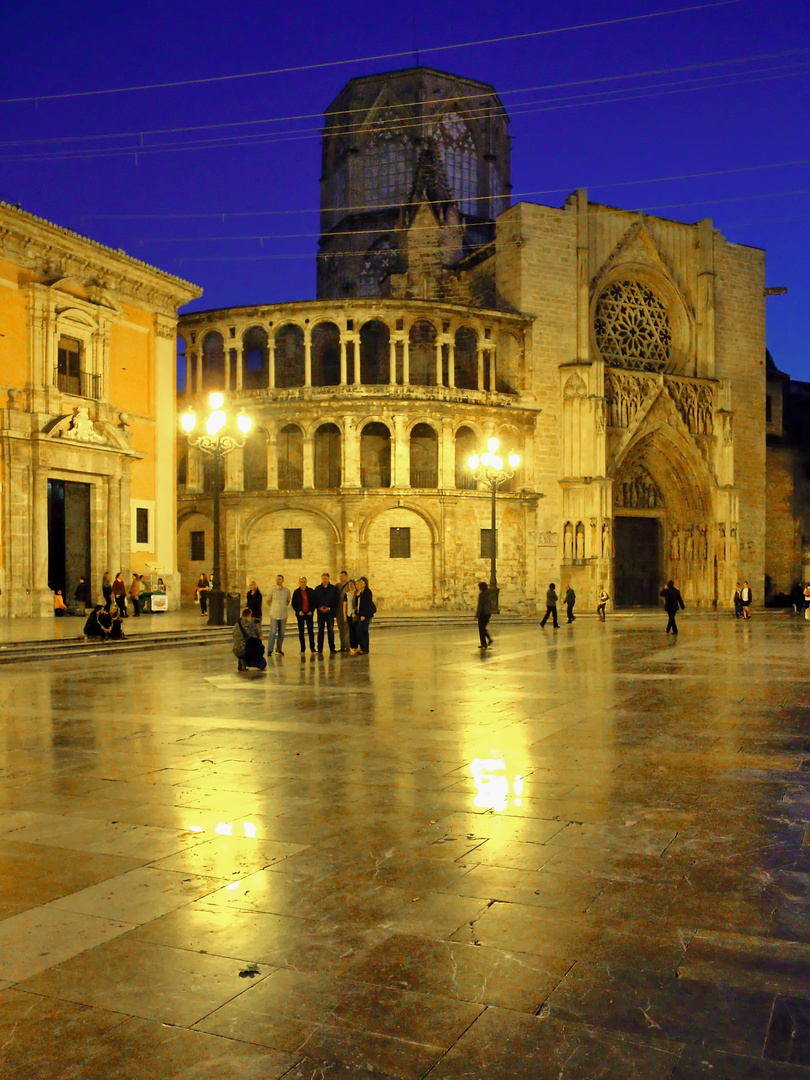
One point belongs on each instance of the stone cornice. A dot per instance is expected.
(52, 251)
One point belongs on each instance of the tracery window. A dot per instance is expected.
(632, 327)
(387, 169)
(460, 161)
(378, 263)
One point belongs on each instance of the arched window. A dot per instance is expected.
(388, 165)
(379, 262)
(466, 358)
(424, 457)
(422, 354)
(290, 447)
(466, 446)
(327, 456)
(375, 456)
(254, 461)
(254, 356)
(213, 362)
(289, 356)
(374, 353)
(325, 355)
(457, 149)
(182, 388)
(182, 468)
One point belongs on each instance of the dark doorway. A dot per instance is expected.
(68, 536)
(637, 570)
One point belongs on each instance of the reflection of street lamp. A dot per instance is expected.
(217, 440)
(489, 468)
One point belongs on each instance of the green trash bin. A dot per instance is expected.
(233, 608)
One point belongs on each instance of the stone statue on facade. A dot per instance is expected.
(81, 428)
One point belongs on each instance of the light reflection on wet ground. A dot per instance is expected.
(583, 853)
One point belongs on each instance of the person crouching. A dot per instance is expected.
(247, 643)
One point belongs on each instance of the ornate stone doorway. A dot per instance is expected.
(638, 562)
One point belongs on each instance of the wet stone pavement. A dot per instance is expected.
(585, 853)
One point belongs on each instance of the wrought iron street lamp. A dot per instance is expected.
(223, 432)
(489, 469)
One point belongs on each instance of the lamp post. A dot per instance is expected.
(218, 439)
(489, 469)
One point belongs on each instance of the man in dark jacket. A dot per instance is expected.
(673, 602)
(253, 600)
(326, 600)
(570, 600)
(551, 607)
(366, 609)
(303, 604)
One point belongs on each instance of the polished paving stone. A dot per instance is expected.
(576, 855)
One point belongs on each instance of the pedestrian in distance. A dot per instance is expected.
(551, 607)
(303, 604)
(351, 616)
(93, 629)
(81, 596)
(326, 599)
(279, 605)
(601, 602)
(135, 594)
(107, 590)
(119, 591)
(746, 596)
(201, 592)
(253, 600)
(366, 609)
(737, 601)
(673, 603)
(342, 620)
(483, 614)
(570, 600)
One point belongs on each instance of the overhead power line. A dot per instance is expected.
(366, 59)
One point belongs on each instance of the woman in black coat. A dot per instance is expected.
(364, 612)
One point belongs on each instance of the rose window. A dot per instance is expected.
(632, 327)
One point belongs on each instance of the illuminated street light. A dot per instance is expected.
(489, 469)
(218, 439)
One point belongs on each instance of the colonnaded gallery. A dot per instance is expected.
(622, 356)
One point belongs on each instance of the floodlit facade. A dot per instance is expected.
(87, 428)
(621, 355)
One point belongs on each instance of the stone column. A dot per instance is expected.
(342, 359)
(229, 360)
(480, 368)
(309, 463)
(272, 459)
(189, 373)
(351, 454)
(406, 362)
(451, 363)
(307, 360)
(356, 358)
(492, 381)
(439, 362)
(113, 525)
(392, 361)
(401, 457)
(447, 455)
(271, 363)
(240, 366)
(40, 593)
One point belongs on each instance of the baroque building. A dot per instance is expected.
(620, 354)
(87, 443)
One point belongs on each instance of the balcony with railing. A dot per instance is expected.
(424, 478)
(80, 384)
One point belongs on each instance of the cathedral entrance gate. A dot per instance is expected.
(68, 535)
(637, 571)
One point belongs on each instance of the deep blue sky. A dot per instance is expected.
(178, 209)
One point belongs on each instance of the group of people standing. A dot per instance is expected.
(347, 603)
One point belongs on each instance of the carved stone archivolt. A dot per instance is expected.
(632, 327)
(639, 493)
(695, 403)
(625, 395)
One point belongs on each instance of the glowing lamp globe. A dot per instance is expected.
(188, 421)
(493, 445)
(244, 423)
(514, 460)
(215, 422)
(486, 459)
(216, 401)
(497, 462)
(473, 462)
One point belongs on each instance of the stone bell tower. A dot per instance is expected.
(375, 136)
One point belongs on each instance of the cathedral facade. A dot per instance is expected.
(622, 356)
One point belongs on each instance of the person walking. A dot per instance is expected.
(551, 607)
(134, 594)
(737, 601)
(351, 616)
(119, 591)
(342, 621)
(303, 604)
(483, 614)
(81, 596)
(326, 599)
(746, 596)
(279, 603)
(253, 600)
(570, 600)
(601, 602)
(366, 609)
(673, 603)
